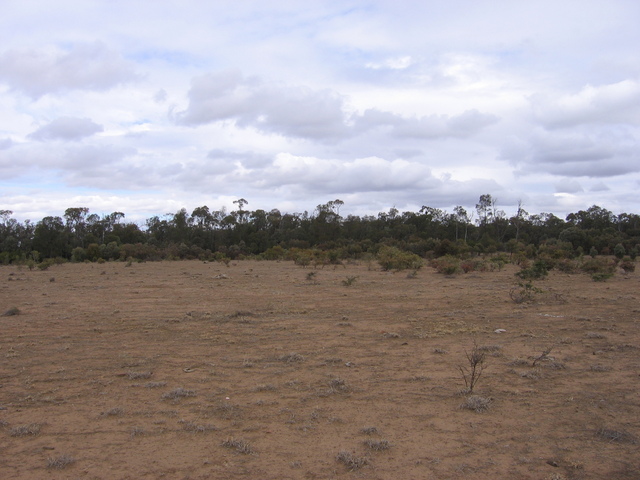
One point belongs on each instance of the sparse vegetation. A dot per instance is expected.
(60, 462)
(351, 461)
(179, 393)
(377, 445)
(476, 403)
(238, 445)
(31, 429)
(472, 371)
(349, 281)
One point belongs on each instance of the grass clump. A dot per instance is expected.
(60, 462)
(476, 403)
(618, 436)
(31, 429)
(377, 445)
(178, 393)
(351, 461)
(291, 358)
(239, 446)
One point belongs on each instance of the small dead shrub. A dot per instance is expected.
(377, 445)
(291, 358)
(600, 368)
(351, 461)
(369, 431)
(239, 446)
(472, 372)
(114, 412)
(594, 335)
(11, 312)
(349, 281)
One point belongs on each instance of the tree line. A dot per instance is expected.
(80, 235)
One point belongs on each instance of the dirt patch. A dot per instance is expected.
(198, 370)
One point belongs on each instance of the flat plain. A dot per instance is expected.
(267, 370)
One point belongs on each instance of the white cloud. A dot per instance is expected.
(613, 103)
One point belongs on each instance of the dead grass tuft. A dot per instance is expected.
(60, 462)
(377, 445)
(476, 403)
(351, 461)
(291, 358)
(189, 426)
(31, 429)
(114, 412)
(239, 446)
(179, 393)
(369, 430)
(618, 436)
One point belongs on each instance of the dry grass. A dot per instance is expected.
(60, 462)
(239, 446)
(476, 403)
(178, 393)
(351, 461)
(31, 429)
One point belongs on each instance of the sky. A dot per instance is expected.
(149, 107)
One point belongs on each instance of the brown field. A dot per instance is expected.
(260, 371)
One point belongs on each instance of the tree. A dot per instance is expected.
(76, 224)
(485, 208)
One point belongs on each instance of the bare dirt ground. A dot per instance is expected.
(261, 371)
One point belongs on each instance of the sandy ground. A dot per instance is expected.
(264, 370)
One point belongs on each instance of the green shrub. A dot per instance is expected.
(619, 251)
(539, 269)
(392, 258)
(447, 265)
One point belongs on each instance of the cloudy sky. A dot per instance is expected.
(147, 107)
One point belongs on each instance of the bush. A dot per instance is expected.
(619, 251)
(392, 258)
(447, 265)
(628, 266)
(598, 265)
(539, 269)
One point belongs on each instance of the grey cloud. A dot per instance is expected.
(91, 157)
(67, 128)
(6, 143)
(599, 187)
(84, 67)
(305, 113)
(568, 186)
(426, 127)
(247, 159)
(290, 111)
(575, 153)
